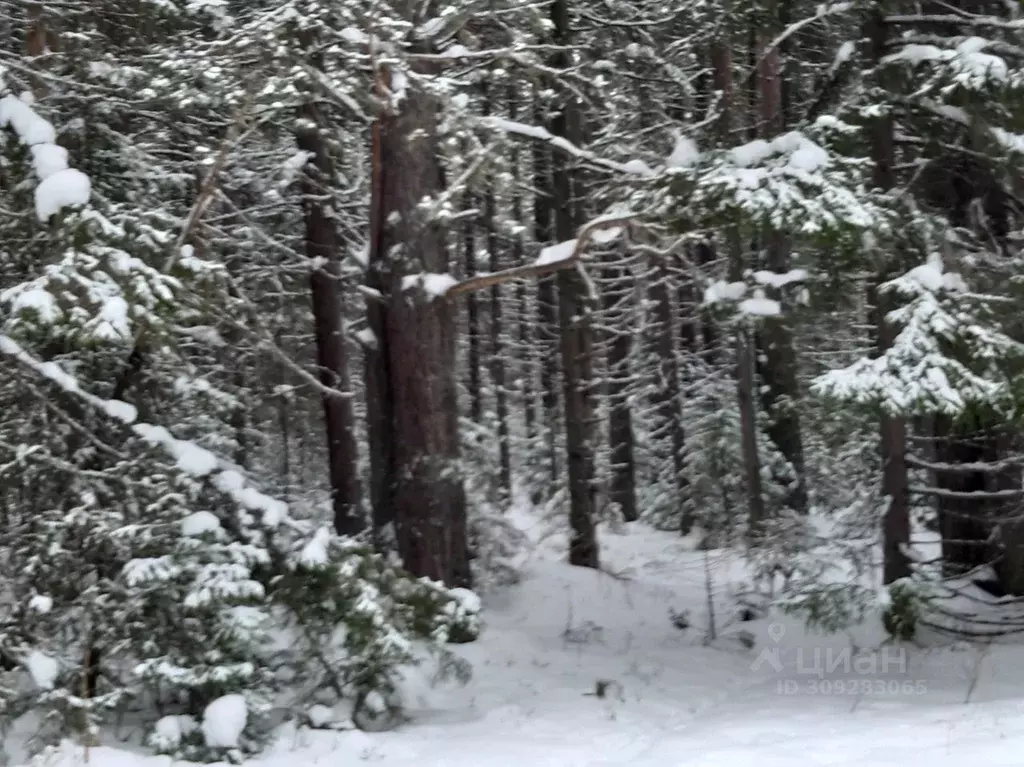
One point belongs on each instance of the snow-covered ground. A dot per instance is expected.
(671, 697)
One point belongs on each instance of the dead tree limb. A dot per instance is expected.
(534, 270)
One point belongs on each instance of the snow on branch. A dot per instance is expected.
(959, 19)
(633, 167)
(59, 186)
(945, 358)
(966, 65)
(189, 457)
(1006, 140)
(551, 259)
(823, 11)
(791, 183)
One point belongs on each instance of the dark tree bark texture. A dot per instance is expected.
(322, 247)
(574, 319)
(893, 431)
(414, 413)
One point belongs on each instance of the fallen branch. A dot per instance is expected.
(534, 270)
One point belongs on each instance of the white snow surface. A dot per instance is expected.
(355, 36)
(48, 159)
(319, 716)
(170, 730)
(724, 291)
(43, 669)
(604, 236)
(36, 298)
(468, 599)
(316, 553)
(676, 699)
(366, 337)
(223, 721)
(433, 284)
(40, 603)
(637, 167)
(552, 254)
(844, 54)
(455, 52)
(760, 306)
(291, 168)
(777, 280)
(61, 190)
(198, 523)
(803, 154)
(122, 411)
(967, 64)
(23, 119)
(685, 153)
(59, 186)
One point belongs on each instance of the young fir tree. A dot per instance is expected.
(146, 572)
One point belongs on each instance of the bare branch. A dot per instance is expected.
(530, 271)
(558, 142)
(978, 495)
(992, 467)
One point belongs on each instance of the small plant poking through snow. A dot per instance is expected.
(901, 615)
(357, 619)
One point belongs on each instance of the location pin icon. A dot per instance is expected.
(775, 632)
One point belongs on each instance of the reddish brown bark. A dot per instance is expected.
(777, 366)
(722, 79)
(414, 434)
(323, 249)
(547, 314)
(668, 395)
(574, 320)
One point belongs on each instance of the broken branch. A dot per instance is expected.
(530, 271)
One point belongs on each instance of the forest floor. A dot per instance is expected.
(671, 696)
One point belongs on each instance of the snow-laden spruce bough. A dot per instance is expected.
(163, 588)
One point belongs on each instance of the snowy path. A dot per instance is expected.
(675, 701)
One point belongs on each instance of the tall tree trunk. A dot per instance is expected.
(322, 248)
(497, 360)
(547, 321)
(668, 396)
(35, 37)
(526, 335)
(284, 423)
(722, 79)
(525, 338)
(617, 286)
(574, 319)
(780, 388)
(688, 299)
(622, 491)
(748, 429)
(893, 431)
(377, 374)
(497, 366)
(473, 386)
(421, 479)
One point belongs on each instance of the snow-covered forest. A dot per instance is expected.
(460, 382)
